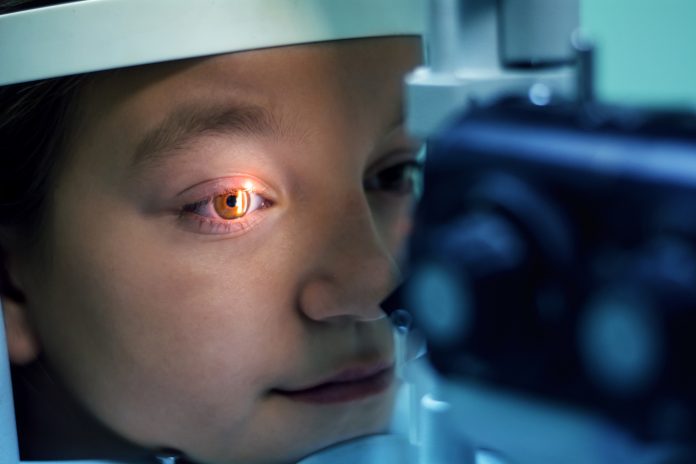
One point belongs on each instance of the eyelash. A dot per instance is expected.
(213, 224)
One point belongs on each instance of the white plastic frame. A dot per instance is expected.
(94, 35)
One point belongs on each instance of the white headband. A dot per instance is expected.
(95, 35)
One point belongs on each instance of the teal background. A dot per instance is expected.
(646, 50)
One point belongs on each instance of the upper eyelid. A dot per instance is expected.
(220, 186)
(393, 158)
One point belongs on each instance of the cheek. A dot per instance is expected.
(137, 317)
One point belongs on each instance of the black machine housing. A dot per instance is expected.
(554, 253)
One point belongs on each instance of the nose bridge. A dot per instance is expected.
(358, 242)
(355, 269)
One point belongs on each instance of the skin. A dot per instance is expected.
(176, 331)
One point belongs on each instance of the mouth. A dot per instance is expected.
(349, 385)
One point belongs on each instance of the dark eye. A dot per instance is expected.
(402, 179)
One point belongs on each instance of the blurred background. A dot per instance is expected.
(644, 56)
(646, 50)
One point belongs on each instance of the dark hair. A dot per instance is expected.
(34, 118)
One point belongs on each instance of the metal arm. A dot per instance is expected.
(478, 50)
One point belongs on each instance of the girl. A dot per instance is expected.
(194, 252)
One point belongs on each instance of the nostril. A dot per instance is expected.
(393, 301)
(353, 270)
(355, 296)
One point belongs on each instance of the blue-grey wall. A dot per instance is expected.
(647, 49)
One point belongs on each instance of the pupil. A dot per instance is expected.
(232, 201)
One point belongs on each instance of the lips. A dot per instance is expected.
(351, 384)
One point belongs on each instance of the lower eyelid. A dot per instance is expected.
(201, 224)
(207, 225)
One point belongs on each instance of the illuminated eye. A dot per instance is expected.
(232, 205)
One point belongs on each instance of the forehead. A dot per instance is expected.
(294, 84)
(262, 76)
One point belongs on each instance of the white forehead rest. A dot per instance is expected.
(95, 35)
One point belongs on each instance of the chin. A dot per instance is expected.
(375, 417)
(300, 432)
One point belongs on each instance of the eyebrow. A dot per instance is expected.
(190, 122)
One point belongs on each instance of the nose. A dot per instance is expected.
(355, 271)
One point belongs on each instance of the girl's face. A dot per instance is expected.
(218, 242)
